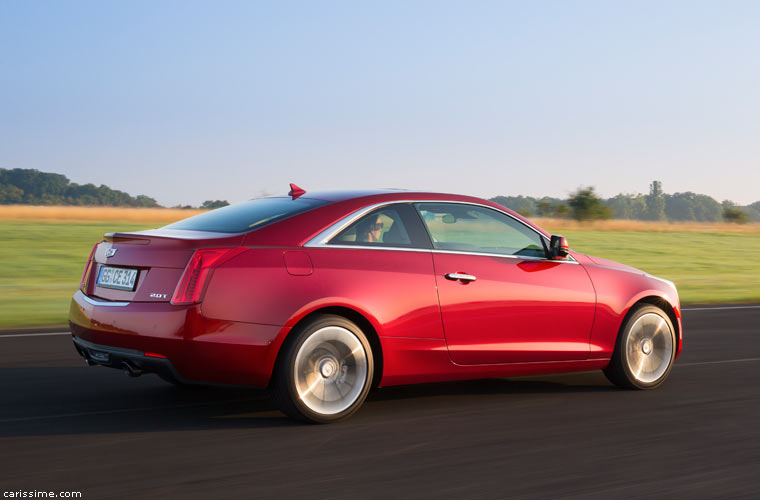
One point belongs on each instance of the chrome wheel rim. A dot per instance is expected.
(649, 348)
(330, 370)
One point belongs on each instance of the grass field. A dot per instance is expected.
(44, 249)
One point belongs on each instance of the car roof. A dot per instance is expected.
(378, 195)
(353, 199)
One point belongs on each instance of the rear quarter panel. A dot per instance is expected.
(394, 290)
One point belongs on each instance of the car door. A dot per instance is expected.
(502, 300)
(381, 262)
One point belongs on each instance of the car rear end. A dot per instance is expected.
(139, 306)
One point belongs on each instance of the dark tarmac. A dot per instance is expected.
(68, 427)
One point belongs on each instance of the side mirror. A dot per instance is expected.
(558, 249)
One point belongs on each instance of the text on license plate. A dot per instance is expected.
(117, 277)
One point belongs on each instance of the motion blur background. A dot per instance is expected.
(139, 112)
(190, 100)
(191, 103)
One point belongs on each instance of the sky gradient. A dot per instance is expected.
(189, 101)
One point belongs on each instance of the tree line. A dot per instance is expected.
(585, 204)
(32, 187)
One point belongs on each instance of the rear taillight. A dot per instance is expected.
(86, 273)
(198, 272)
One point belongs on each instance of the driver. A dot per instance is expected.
(370, 229)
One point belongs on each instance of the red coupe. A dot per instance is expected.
(323, 296)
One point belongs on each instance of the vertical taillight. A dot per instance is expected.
(87, 266)
(198, 271)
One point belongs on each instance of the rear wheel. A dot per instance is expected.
(645, 349)
(324, 372)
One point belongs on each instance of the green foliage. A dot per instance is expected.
(628, 206)
(692, 207)
(677, 207)
(211, 204)
(734, 214)
(523, 205)
(10, 194)
(32, 187)
(655, 202)
(586, 205)
(528, 206)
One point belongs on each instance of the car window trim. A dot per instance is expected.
(323, 237)
(541, 237)
(409, 218)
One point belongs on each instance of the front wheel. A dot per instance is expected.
(645, 349)
(324, 372)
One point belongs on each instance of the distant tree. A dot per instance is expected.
(524, 205)
(10, 194)
(145, 201)
(586, 205)
(628, 206)
(44, 188)
(732, 213)
(211, 204)
(692, 207)
(655, 202)
(752, 213)
(544, 208)
(561, 210)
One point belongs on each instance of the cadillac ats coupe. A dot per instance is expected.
(323, 296)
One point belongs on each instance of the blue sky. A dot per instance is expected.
(188, 101)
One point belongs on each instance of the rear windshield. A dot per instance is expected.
(246, 216)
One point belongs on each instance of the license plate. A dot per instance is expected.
(117, 277)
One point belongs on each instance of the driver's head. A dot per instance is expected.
(369, 229)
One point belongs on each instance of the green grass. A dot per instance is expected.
(42, 263)
(706, 267)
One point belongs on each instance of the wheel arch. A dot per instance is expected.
(352, 315)
(662, 303)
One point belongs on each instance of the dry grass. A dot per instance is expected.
(647, 227)
(100, 214)
(166, 215)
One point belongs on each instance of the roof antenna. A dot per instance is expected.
(295, 191)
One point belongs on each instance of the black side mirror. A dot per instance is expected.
(558, 249)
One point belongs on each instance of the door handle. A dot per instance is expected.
(460, 277)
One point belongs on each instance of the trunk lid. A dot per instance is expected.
(158, 255)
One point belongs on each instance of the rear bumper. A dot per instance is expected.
(197, 349)
(134, 362)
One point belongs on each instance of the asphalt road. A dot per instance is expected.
(67, 427)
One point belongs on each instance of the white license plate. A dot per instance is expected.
(117, 277)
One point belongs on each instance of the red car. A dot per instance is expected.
(323, 296)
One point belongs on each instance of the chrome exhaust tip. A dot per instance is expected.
(131, 370)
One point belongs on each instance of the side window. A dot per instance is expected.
(471, 228)
(383, 227)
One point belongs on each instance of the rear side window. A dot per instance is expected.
(390, 226)
(246, 216)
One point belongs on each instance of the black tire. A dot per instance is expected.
(334, 357)
(646, 341)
